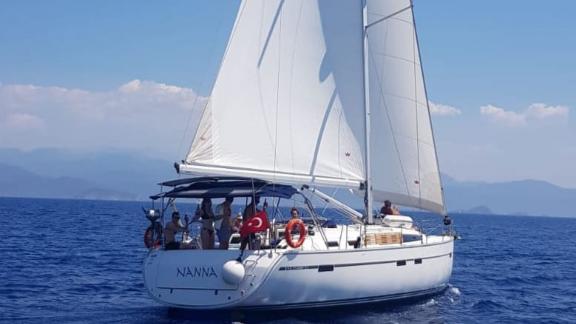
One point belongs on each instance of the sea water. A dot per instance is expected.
(81, 261)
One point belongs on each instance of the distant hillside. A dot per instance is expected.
(64, 174)
(16, 182)
(124, 172)
(527, 197)
(482, 210)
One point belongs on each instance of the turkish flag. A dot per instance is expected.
(257, 223)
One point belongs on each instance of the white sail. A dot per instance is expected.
(287, 104)
(403, 157)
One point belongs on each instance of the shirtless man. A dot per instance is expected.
(171, 229)
(388, 209)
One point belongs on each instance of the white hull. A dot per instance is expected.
(278, 279)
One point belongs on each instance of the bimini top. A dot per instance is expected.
(221, 187)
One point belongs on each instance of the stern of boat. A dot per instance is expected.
(205, 279)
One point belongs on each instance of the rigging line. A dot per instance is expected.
(278, 85)
(394, 57)
(181, 144)
(414, 49)
(327, 203)
(290, 80)
(253, 198)
(389, 119)
(339, 143)
(389, 16)
(240, 13)
(429, 117)
(263, 107)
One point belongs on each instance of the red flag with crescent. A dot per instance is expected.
(257, 223)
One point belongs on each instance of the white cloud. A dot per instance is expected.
(500, 115)
(443, 110)
(136, 115)
(536, 111)
(542, 111)
(23, 121)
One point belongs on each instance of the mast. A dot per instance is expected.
(368, 183)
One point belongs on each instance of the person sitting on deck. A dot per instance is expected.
(171, 229)
(388, 209)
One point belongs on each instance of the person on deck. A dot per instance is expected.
(205, 213)
(237, 223)
(171, 229)
(294, 213)
(388, 209)
(249, 211)
(224, 213)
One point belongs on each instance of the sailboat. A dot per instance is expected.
(311, 95)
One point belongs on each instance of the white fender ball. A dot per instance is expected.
(233, 272)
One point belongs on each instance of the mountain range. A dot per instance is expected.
(53, 173)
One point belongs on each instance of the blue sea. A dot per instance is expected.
(75, 261)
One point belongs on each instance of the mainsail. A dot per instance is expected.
(288, 104)
(288, 100)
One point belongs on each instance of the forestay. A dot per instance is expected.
(403, 156)
(287, 104)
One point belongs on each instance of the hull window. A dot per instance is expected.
(324, 268)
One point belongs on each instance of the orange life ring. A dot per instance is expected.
(149, 240)
(288, 233)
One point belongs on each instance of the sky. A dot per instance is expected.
(133, 75)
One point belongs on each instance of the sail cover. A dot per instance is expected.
(403, 157)
(288, 101)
